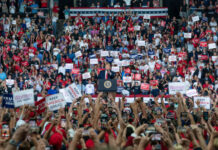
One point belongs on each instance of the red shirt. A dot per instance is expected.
(44, 3)
(32, 50)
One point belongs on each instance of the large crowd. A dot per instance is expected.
(143, 54)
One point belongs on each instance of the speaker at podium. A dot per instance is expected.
(109, 85)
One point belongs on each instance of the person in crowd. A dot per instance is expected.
(167, 87)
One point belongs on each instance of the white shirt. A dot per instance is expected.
(90, 89)
(62, 70)
(47, 46)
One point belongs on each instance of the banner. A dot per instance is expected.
(66, 95)
(187, 35)
(104, 53)
(195, 18)
(23, 97)
(137, 28)
(55, 102)
(75, 71)
(40, 106)
(172, 58)
(7, 101)
(191, 93)
(86, 75)
(175, 87)
(136, 76)
(78, 54)
(114, 53)
(69, 66)
(127, 79)
(204, 102)
(203, 44)
(125, 63)
(153, 82)
(212, 45)
(94, 61)
(91, 12)
(141, 43)
(115, 68)
(146, 16)
(73, 91)
(214, 58)
(145, 86)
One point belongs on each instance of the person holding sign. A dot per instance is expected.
(107, 73)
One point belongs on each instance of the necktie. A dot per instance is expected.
(106, 75)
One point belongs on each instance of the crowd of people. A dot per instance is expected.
(143, 54)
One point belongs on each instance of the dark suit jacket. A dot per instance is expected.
(102, 75)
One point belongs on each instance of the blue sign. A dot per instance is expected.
(7, 101)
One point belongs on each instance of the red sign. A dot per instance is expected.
(127, 70)
(136, 76)
(203, 57)
(75, 71)
(203, 44)
(99, 70)
(130, 29)
(145, 86)
(182, 54)
(158, 66)
(153, 82)
(40, 106)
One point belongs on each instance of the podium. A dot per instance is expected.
(109, 85)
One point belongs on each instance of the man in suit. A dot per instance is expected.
(107, 73)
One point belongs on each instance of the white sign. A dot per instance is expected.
(86, 75)
(125, 63)
(191, 93)
(55, 102)
(14, 22)
(214, 58)
(9, 81)
(195, 18)
(137, 28)
(117, 62)
(114, 53)
(127, 79)
(175, 87)
(73, 91)
(212, 45)
(55, 66)
(172, 58)
(115, 68)
(93, 61)
(146, 16)
(78, 54)
(69, 66)
(23, 97)
(187, 35)
(141, 43)
(104, 53)
(204, 102)
(66, 95)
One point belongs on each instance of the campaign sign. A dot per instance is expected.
(23, 97)
(175, 87)
(66, 95)
(40, 106)
(73, 91)
(7, 101)
(204, 102)
(55, 102)
(145, 86)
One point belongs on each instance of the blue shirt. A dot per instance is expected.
(3, 76)
(34, 6)
(52, 91)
